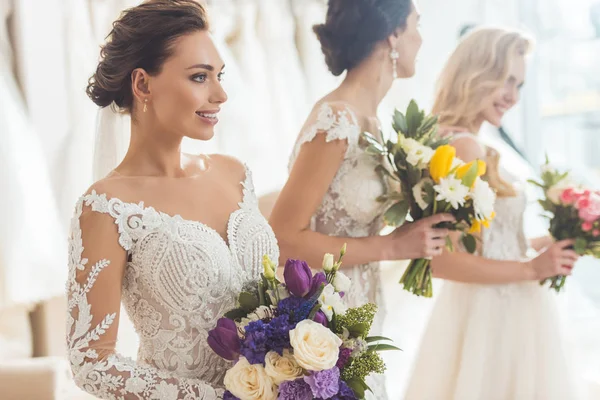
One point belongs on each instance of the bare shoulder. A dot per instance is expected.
(468, 148)
(229, 166)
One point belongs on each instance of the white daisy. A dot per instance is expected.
(451, 190)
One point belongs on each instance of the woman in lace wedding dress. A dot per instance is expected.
(330, 196)
(149, 234)
(494, 332)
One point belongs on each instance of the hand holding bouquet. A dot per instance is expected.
(297, 340)
(432, 181)
(574, 213)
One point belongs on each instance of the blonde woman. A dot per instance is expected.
(494, 331)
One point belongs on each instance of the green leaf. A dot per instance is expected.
(248, 302)
(263, 298)
(236, 314)
(371, 144)
(372, 339)
(469, 179)
(358, 386)
(358, 330)
(396, 214)
(536, 183)
(470, 243)
(399, 122)
(413, 118)
(383, 347)
(314, 311)
(580, 246)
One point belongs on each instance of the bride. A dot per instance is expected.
(494, 332)
(174, 237)
(330, 196)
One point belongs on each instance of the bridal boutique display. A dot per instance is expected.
(32, 243)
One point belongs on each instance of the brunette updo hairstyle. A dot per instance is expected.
(142, 37)
(353, 27)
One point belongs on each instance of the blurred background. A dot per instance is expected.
(274, 73)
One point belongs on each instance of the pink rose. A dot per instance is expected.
(589, 208)
(596, 232)
(587, 226)
(570, 195)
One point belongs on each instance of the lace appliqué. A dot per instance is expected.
(181, 277)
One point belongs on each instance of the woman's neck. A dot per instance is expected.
(366, 85)
(153, 152)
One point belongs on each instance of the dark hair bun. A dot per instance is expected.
(141, 38)
(353, 28)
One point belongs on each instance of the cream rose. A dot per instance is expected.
(250, 382)
(316, 348)
(282, 368)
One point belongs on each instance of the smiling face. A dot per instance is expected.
(186, 95)
(502, 99)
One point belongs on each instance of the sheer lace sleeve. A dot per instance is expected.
(334, 120)
(97, 262)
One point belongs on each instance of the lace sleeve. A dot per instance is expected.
(94, 294)
(336, 121)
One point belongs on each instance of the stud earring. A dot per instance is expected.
(394, 55)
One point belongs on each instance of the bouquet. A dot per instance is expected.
(432, 180)
(574, 213)
(297, 340)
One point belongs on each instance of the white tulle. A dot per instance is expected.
(111, 140)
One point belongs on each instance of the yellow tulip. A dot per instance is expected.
(475, 226)
(441, 162)
(463, 169)
(478, 224)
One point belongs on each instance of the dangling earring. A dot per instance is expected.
(394, 55)
(145, 105)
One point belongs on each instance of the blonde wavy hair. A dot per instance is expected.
(480, 64)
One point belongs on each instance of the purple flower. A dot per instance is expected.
(294, 390)
(228, 396)
(317, 280)
(297, 308)
(298, 277)
(324, 384)
(278, 334)
(320, 318)
(224, 339)
(345, 393)
(343, 358)
(255, 344)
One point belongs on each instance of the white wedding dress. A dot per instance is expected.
(349, 208)
(31, 239)
(495, 342)
(181, 276)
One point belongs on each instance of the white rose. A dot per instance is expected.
(282, 368)
(316, 348)
(341, 282)
(554, 192)
(328, 262)
(250, 382)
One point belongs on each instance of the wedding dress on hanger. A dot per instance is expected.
(319, 81)
(31, 238)
(286, 81)
(251, 60)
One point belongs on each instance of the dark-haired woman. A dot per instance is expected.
(173, 236)
(330, 196)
